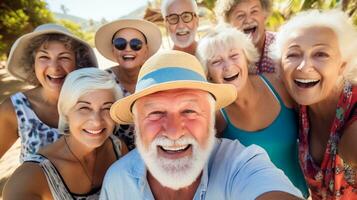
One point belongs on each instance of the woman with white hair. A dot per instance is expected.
(74, 166)
(317, 54)
(41, 58)
(262, 114)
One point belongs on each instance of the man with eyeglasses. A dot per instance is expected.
(249, 16)
(181, 21)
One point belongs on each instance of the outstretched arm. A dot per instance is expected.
(8, 126)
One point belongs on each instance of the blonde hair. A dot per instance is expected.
(228, 37)
(78, 83)
(335, 20)
(223, 8)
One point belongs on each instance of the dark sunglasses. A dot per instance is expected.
(175, 18)
(120, 44)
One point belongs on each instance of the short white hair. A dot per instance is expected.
(227, 37)
(78, 83)
(166, 3)
(335, 20)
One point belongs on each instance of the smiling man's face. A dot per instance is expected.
(174, 134)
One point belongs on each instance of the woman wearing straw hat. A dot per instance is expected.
(74, 166)
(42, 58)
(262, 114)
(129, 42)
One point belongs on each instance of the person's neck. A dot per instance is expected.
(261, 44)
(82, 152)
(161, 192)
(127, 76)
(191, 49)
(325, 110)
(49, 97)
(248, 96)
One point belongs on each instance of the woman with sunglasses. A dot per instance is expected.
(129, 42)
(73, 167)
(42, 58)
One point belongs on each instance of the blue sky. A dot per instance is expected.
(96, 9)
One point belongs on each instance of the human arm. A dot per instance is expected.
(347, 146)
(257, 177)
(27, 182)
(8, 126)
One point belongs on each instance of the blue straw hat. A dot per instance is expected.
(168, 70)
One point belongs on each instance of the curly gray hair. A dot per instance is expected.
(82, 53)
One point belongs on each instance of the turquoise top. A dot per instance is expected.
(279, 139)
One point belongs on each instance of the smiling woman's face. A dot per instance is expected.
(129, 58)
(311, 64)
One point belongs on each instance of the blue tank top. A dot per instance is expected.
(279, 139)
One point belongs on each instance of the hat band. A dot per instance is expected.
(168, 74)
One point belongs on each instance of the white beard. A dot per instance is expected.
(178, 173)
(183, 44)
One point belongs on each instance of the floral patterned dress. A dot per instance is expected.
(124, 131)
(333, 179)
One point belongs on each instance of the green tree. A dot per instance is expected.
(19, 17)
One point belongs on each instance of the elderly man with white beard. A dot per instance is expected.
(181, 22)
(177, 155)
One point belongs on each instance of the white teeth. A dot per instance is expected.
(94, 131)
(182, 32)
(128, 56)
(51, 76)
(174, 148)
(306, 80)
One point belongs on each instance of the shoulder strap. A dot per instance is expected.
(55, 182)
(271, 88)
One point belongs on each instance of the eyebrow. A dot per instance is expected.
(46, 52)
(86, 102)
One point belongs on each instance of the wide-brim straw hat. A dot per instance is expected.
(169, 70)
(104, 35)
(16, 66)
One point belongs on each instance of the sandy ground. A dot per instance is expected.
(10, 160)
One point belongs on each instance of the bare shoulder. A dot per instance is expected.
(8, 126)
(7, 109)
(278, 85)
(21, 184)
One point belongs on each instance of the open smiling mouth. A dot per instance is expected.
(56, 78)
(306, 83)
(231, 78)
(182, 33)
(128, 57)
(94, 132)
(250, 30)
(175, 149)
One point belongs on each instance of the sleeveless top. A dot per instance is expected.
(333, 178)
(279, 139)
(58, 187)
(124, 131)
(33, 133)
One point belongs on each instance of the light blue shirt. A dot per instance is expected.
(233, 172)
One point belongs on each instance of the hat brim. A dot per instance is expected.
(224, 95)
(15, 63)
(104, 35)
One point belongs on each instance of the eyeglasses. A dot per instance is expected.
(120, 44)
(185, 17)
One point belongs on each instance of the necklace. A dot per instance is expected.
(82, 165)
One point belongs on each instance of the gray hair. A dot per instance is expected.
(228, 37)
(335, 20)
(82, 53)
(224, 8)
(166, 3)
(78, 83)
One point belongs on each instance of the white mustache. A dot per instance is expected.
(185, 29)
(164, 141)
